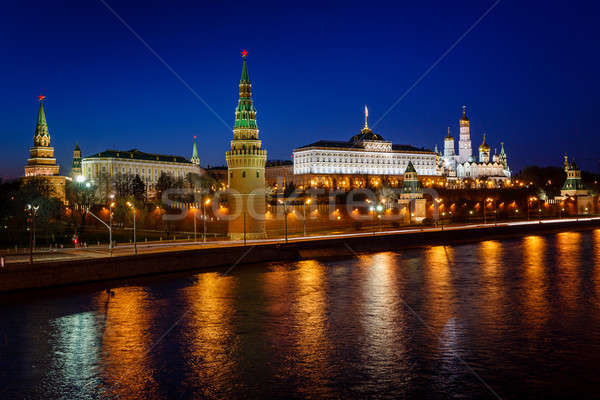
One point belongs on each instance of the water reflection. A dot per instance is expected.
(310, 321)
(126, 340)
(340, 328)
(75, 351)
(535, 304)
(208, 336)
(438, 281)
(596, 271)
(493, 312)
(568, 262)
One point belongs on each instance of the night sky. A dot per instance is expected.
(528, 74)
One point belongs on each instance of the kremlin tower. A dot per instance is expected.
(42, 164)
(246, 168)
(76, 166)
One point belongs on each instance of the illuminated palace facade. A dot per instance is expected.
(113, 164)
(367, 159)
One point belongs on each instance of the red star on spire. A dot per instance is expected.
(41, 97)
(244, 53)
(194, 137)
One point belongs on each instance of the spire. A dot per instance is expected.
(449, 136)
(410, 167)
(77, 146)
(245, 113)
(41, 136)
(366, 117)
(245, 78)
(195, 159)
(464, 114)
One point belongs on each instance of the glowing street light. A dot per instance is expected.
(134, 227)
(204, 204)
(307, 201)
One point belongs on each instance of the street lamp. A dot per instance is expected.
(372, 212)
(193, 208)
(437, 210)
(32, 210)
(110, 216)
(379, 209)
(284, 218)
(304, 215)
(204, 204)
(134, 227)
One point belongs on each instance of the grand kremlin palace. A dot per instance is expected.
(365, 156)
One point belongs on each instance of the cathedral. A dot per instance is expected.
(463, 165)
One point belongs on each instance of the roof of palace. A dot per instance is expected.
(339, 144)
(135, 154)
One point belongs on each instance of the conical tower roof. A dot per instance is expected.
(195, 159)
(41, 137)
(245, 113)
(410, 168)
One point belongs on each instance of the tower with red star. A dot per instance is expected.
(246, 168)
(41, 164)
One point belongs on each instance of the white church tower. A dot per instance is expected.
(464, 143)
(449, 145)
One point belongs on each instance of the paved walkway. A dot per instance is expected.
(159, 247)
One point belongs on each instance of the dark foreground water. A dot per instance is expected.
(515, 319)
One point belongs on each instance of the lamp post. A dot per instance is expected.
(304, 215)
(194, 210)
(204, 204)
(110, 216)
(372, 211)
(32, 210)
(379, 209)
(134, 227)
(284, 218)
(437, 210)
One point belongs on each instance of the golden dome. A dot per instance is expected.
(484, 146)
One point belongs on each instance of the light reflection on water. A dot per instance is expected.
(522, 313)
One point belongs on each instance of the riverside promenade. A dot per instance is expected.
(94, 264)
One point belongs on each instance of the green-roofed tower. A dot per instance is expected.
(573, 185)
(41, 163)
(246, 167)
(411, 187)
(195, 159)
(41, 137)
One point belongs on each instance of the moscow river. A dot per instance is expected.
(506, 319)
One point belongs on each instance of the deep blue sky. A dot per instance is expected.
(528, 74)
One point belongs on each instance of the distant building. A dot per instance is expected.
(366, 156)
(463, 165)
(279, 173)
(41, 163)
(114, 163)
